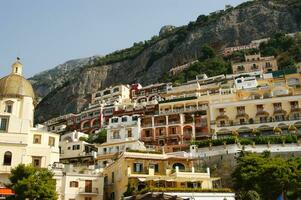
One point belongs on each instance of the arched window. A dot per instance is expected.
(7, 158)
(179, 165)
(8, 106)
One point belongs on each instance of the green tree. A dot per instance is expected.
(268, 176)
(32, 183)
(207, 52)
(99, 137)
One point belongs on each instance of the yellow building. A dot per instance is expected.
(255, 63)
(143, 170)
(20, 142)
(273, 103)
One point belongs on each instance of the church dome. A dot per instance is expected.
(15, 85)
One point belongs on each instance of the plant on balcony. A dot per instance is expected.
(277, 131)
(142, 151)
(129, 191)
(260, 140)
(292, 129)
(256, 132)
(235, 133)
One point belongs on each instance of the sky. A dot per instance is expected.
(50, 32)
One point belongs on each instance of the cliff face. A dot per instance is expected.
(69, 89)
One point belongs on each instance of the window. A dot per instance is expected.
(106, 92)
(116, 90)
(254, 66)
(113, 177)
(116, 135)
(147, 133)
(73, 184)
(7, 158)
(259, 108)
(86, 125)
(277, 106)
(294, 104)
(134, 118)
(8, 108)
(129, 132)
(296, 116)
(242, 121)
(138, 167)
(76, 147)
(124, 119)
(3, 123)
(37, 139)
(222, 123)
(240, 68)
(221, 110)
(263, 119)
(155, 167)
(241, 109)
(279, 118)
(51, 141)
(114, 120)
(36, 161)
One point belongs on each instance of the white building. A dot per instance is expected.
(122, 133)
(245, 83)
(20, 142)
(73, 149)
(72, 184)
(119, 93)
(123, 128)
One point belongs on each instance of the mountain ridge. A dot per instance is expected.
(146, 62)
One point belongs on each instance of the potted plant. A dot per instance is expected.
(292, 129)
(277, 131)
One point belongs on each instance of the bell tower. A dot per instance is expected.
(17, 67)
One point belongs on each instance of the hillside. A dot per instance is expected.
(147, 62)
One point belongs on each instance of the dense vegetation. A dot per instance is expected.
(209, 63)
(261, 176)
(29, 182)
(287, 50)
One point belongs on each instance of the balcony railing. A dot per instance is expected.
(160, 123)
(88, 190)
(174, 122)
(147, 125)
(259, 122)
(146, 139)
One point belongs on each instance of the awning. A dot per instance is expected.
(142, 179)
(6, 191)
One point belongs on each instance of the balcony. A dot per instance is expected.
(257, 123)
(295, 109)
(147, 139)
(88, 191)
(173, 122)
(144, 125)
(192, 172)
(160, 123)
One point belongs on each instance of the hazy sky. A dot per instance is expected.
(45, 33)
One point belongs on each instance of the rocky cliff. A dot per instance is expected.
(68, 89)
